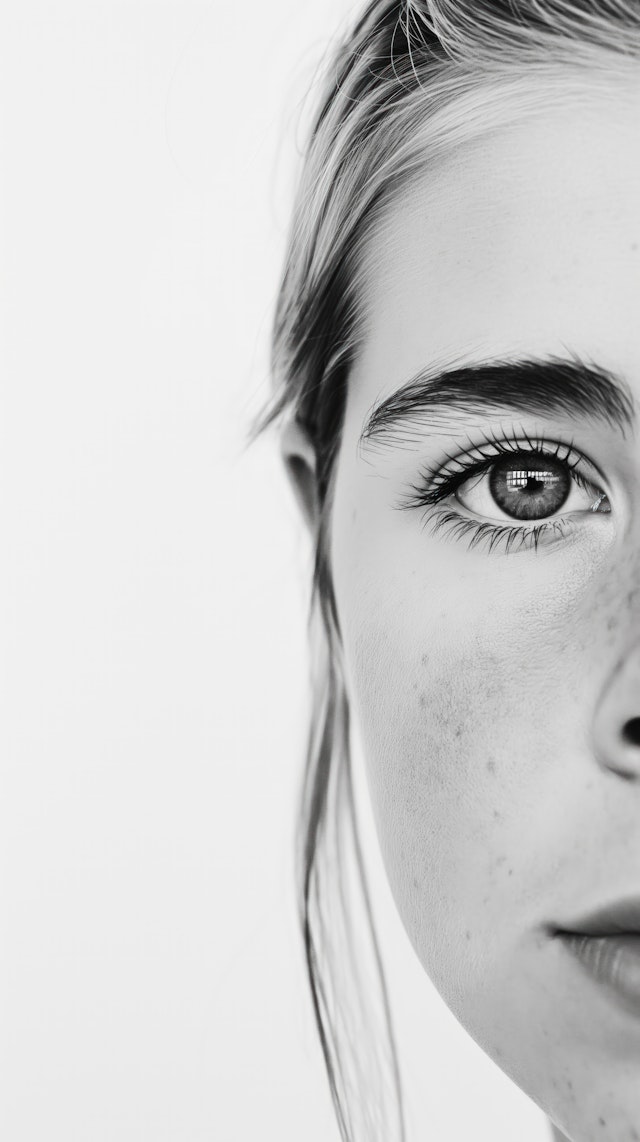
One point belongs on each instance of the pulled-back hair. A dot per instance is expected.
(410, 82)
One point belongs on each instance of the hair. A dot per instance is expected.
(409, 83)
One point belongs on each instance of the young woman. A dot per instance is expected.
(457, 357)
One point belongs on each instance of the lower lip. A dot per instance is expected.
(613, 961)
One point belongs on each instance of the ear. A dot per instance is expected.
(299, 458)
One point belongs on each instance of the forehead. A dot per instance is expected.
(525, 240)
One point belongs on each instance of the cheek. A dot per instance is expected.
(436, 722)
(470, 711)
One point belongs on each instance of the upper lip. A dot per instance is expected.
(612, 920)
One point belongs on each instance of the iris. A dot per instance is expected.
(528, 487)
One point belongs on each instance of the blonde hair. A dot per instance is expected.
(412, 81)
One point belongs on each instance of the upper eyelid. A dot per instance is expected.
(509, 443)
(482, 464)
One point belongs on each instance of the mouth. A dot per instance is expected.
(606, 945)
(617, 919)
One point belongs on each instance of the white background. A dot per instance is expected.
(153, 599)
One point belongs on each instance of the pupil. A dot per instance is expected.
(529, 487)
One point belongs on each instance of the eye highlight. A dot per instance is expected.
(508, 493)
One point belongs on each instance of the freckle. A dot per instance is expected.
(425, 660)
(510, 872)
(468, 935)
(569, 1084)
(497, 815)
(423, 701)
(491, 767)
(602, 1121)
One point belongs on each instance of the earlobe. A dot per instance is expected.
(299, 458)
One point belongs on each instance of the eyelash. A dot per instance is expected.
(435, 486)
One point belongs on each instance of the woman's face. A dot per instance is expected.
(485, 546)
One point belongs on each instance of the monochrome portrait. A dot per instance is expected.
(321, 793)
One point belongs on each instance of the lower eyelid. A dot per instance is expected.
(508, 536)
(496, 537)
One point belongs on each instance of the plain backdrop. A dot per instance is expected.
(154, 585)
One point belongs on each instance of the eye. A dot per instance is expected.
(528, 486)
(509, 493)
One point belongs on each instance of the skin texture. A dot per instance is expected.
(491, 688)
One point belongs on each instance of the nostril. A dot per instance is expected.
(631, 731)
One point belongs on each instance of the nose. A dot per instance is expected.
(616, 723)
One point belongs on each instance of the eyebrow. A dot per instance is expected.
(534, 387)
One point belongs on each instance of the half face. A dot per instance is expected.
(485, 548)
